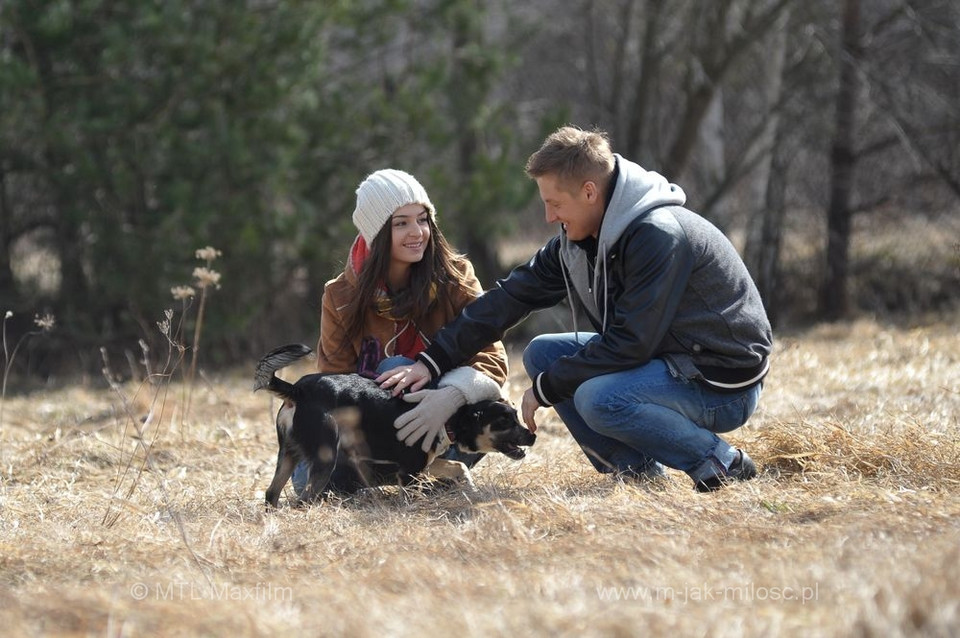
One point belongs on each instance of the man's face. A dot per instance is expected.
(579, 210)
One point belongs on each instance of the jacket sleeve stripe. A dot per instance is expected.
(538, 391)
(432, 366)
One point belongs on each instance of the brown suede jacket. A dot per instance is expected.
(332, 358)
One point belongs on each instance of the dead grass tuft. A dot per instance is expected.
(908, 455)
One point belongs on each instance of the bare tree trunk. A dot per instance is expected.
(642, 97)
(73, 288)
(476, 244)
(834, 298)
(473, 241)
(767, 268)
(768, 183)
(7, 288)
(713, 157)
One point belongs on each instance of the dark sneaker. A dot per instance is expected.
(742, 469)
(651, 476)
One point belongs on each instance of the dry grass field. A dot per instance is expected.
(113, 527)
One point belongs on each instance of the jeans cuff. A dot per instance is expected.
(717, 462)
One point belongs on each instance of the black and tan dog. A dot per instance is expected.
(342, 426)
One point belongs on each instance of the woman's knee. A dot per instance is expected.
(392, 362)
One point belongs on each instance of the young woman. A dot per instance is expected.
(401, 284)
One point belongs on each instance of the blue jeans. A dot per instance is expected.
(300, 473)
(635, 420)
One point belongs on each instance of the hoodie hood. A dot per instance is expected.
(636, 192)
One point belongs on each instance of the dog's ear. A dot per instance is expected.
(485, 410)
(501, 407)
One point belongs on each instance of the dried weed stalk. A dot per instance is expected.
(205, 278)
(45, 324)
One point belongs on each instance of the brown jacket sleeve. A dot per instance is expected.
(333, 354)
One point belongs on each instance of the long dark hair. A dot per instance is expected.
(438, 266)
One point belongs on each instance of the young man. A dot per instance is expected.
(680, 339)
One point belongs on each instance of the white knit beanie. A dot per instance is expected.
(381, 194)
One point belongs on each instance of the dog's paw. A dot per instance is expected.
(469, 487)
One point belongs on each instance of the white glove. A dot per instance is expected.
(427, 419)
(475, 385)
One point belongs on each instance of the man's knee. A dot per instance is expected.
(594, 401)
(534, 358)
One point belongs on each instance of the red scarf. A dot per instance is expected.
(408, 343)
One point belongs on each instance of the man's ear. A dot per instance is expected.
(590, 190)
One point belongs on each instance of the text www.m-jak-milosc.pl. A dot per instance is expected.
(746, 592)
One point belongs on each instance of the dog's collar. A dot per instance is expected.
(450, 435)
(444, 442)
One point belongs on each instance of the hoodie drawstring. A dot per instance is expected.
(573, 308)
(603, 289)
(600, 285)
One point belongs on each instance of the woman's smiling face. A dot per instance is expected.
(410, 232)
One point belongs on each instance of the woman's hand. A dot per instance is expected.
(413, 376)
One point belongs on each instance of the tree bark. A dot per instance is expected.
(834, 296)
(641, 99)
(8, 290)
(482, 254)
(769, 180)
(713, 157)
(767, 268)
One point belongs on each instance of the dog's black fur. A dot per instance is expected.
(342, 425)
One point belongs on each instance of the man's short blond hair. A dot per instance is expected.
(574, 156)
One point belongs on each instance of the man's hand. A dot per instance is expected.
(427, 419)
(528, 406)
(413, 376)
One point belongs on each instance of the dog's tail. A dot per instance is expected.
(265, 376)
